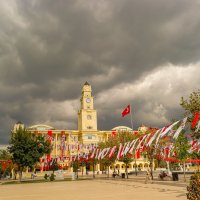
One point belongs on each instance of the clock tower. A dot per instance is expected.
(87, 116)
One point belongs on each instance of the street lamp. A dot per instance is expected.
(135, 164)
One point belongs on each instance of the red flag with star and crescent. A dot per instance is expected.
(126, 111)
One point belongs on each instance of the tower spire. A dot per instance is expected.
(86, 83)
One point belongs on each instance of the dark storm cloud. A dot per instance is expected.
(49, 48)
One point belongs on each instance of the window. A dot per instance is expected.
(89, 127)
(89, 117)
(89, 137)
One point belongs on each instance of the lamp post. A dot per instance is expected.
(135, 163)
(77, 160)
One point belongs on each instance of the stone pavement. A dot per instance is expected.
(92, 190)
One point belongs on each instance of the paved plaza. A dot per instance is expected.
(93, 189)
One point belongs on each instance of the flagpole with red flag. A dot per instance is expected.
(125, 112)
(135, 157)
(131, 117)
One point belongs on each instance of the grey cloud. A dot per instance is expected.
(48, 49)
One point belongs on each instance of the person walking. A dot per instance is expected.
(148, 177)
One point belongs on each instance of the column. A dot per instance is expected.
(56, 144)
(98, 167)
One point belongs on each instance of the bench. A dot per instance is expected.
(164, 177)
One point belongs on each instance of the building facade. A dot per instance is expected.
(71, 142)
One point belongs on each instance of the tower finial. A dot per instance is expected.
(86, 83)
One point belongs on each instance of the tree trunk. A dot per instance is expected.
(20, 175)
(82, 169)
(151, 164)
(126, 171)
(14, 175)
(77, 167)
(93, 171)
(135, 165)
(168, 168)
(184, 171)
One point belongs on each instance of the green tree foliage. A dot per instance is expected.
(191, 106)
(194, 187)
(105, 161)
(4, 155)
(151, 151)
(121, 137)
(182, 150)
(93, 163)
(127, 159)
(27, 149)
(75, 166)
(54, 166)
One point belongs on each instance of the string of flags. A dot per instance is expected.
(132, 148)
(139, 145)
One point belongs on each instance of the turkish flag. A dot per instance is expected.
(195, 120)
(49, 135)
(4, 165)
(137, 154)
(126, 111)
(50, 138)
(114, 133)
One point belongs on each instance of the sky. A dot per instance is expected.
(142, 52)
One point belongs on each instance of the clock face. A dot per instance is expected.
(88, 100)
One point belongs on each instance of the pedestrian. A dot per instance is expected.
(148, 177)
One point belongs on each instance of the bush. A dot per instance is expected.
(194, 187)
(52, 177)
(46, 176)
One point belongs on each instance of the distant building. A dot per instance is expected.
(69, 142)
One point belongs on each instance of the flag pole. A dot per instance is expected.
(131, 117)
(132, 130)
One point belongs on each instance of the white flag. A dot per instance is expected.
(104, 153)
(180, 128)
(132, 145)
(138, 146)
(168, 129)
(119, 151)
(153, 138)
(198, 126)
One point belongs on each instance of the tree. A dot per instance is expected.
(83, 163)
(54, 166)
(191, 106)
(151, 151)
(182, 150)
(194, 187)
(127, 159)
(121, 137)
(106, 161)
(26, 149)
(4, 155)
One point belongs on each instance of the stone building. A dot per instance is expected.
(71, 142)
